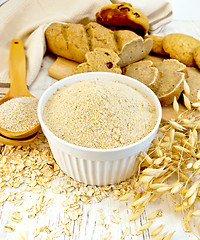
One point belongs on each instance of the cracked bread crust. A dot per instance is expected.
(100, 37)
(67, 40)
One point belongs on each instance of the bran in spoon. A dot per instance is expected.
(19, 114)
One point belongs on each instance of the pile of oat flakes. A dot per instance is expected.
(171, 166)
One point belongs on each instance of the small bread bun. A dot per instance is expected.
(123, 16)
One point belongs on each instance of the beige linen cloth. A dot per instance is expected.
(28, 19)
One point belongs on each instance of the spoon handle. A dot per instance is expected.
(17, 69)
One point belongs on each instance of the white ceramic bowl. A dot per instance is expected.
(97, 166)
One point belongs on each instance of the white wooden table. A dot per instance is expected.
(90, 230)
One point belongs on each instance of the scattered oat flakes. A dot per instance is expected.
(136, 215)
(107, 236)
(9, 228)
(126, 231)
(22, 236)
(168, 236)
(115, 219)
(106, 226)
(16, 217)
(186, 226)
(186, 88)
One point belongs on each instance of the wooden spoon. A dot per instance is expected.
(18, 87)
(17, 142)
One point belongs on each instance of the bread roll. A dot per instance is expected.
(131, 47)
(123, 16)
(100, 37)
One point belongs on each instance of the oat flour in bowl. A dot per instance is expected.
(100, 114)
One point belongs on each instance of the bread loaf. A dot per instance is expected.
(67, 40)
(131, 47)
(100, 37)
(73, 41)
(168, 112)
(171, 80)
(145, 72)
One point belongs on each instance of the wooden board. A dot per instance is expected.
(61, 68)
(169, 113)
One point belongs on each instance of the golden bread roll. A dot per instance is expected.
(123, 16)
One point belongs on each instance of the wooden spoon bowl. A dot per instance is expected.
(18, 87)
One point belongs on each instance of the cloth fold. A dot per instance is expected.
(28, 19)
